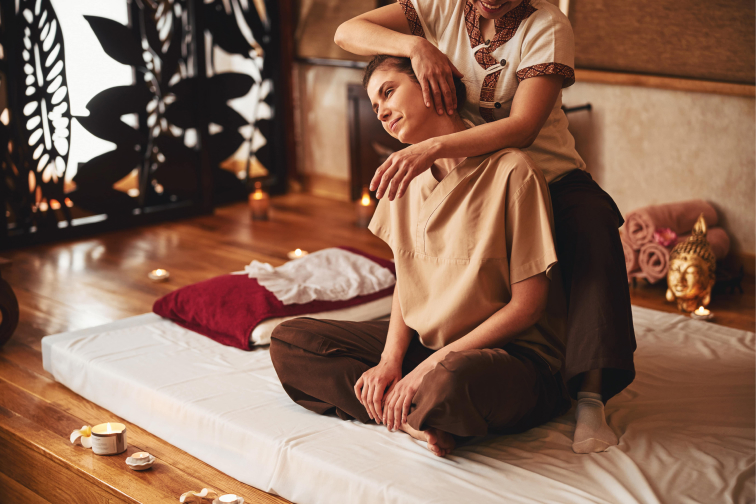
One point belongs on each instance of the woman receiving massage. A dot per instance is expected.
(515, 57)
(475, 340)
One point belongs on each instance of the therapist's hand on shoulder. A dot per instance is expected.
(372, 385)
(393, 177)
(435, 74)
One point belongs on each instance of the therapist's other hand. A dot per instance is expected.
(393, 177)
(435, 74)
(399, 398)
(372, 385)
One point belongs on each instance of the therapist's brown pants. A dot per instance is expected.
(470, 393)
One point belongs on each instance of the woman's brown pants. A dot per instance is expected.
(470, 393)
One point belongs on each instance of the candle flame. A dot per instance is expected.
(258, 194)
(54, 204)
(298, 252)
(158, 272)
(69, 203)
(365, 200)
(701, 311)
(110, 429)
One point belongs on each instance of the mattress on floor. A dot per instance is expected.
(686, 424)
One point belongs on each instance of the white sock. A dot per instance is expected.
(592, 434)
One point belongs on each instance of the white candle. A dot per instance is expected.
(702, 313)
(296, 254)
(158, 275)
(109, 438)
(228, 498)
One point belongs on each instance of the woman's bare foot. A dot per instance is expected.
(440, 443)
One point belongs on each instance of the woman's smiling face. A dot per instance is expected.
(494, 9)
(398, 102)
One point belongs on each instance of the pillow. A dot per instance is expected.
(372, 310)
(229, 307)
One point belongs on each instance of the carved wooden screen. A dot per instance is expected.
(187, 132)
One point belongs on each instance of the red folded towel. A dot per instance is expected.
(641, 224)
(228, 307)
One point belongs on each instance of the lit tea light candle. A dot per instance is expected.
(296, 254)
(365, 209)
(259, 203)
(702, 313)
(158, 275)
(109, 438)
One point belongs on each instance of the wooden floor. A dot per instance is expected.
(67, 286)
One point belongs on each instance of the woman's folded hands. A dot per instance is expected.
(399, 397)
(387, 396)
(372, 385)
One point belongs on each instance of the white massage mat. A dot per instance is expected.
(686, 424)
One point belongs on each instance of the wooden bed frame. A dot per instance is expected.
(92, 281)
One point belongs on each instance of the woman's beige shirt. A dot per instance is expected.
(461, 243)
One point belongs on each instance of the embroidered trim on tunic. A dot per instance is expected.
(488, 94)
(412, 18)
(548, 69)
(506, 26)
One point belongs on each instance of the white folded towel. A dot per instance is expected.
(331, 274)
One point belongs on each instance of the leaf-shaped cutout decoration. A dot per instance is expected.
(47, 108)
(226, 86)
(227, 117)
(105, 111)
(117, 41)
(104, 170)
(225, 31)
(222, 145)
(182, 113)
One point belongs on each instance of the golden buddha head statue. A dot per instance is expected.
(692, 267)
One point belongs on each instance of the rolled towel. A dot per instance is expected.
(654, 261)
(631, 256)
(717, 238)
(641, 224)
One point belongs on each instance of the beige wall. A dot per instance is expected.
(647, 146)
(643, 145)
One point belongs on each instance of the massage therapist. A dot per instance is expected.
(515, 56)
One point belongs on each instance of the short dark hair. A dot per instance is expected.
(404, 65)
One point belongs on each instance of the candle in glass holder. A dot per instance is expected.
(365, 209)
(702, 313)
(259, 203)
(109, 438)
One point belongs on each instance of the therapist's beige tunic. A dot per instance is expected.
(460, 244)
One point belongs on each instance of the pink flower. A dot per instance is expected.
(665, 237)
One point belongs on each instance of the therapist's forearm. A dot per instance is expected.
(365, 38)
(490, 137)
(399, 335)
